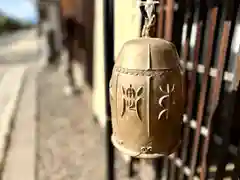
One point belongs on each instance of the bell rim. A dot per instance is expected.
(139, 154)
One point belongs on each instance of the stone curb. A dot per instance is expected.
(8, 111)
(23, 144)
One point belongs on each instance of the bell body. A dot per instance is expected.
(146, 96)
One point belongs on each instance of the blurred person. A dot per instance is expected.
(73, 34)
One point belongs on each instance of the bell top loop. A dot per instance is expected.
(147, 10)
(149, 23)
(147, 7)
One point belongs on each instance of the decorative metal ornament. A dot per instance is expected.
(147, 98)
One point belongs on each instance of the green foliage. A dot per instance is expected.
(9, 24)
(2, 20)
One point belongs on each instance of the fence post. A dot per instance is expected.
(108, 65)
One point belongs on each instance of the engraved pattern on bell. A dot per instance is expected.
(147, 98)
(166, 97)
(131, 99)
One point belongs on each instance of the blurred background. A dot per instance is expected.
(54, 129)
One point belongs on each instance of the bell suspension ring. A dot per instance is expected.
(147, 10)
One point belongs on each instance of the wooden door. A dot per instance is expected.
(68, 8)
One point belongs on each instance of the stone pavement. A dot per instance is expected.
(18, 57)
(47, 135)
(53, 136)
(11, 79)
(21, 50)
(70, 143)
(18, 52)
(21, 153)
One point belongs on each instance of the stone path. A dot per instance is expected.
(18, 54)
(71, 144)
(53, 137)
(23, 50)
(11, 80)
(20, 157)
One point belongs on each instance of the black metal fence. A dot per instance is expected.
(207, 36)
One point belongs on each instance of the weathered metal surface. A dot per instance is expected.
(147, 98)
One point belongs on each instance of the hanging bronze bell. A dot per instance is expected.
(147, 98)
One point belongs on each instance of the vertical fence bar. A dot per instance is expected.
(207, 63)
(188, 20)
(169, 19)
(216, 89)
(165, 168)
(231, 100)
(216, 92)
(108, 65)
(161, 19)
(237, 89)
(237, 159)
(199, 20)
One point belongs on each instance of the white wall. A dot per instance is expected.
(127, 25)
(127, 22)
(98, 69)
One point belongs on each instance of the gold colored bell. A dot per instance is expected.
(147, 98)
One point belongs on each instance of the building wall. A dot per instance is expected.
(98, 69)
(127, 25)
(127, 22)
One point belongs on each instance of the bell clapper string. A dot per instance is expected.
(147, 10)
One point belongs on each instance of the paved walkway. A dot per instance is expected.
(71, 144)
(21, 154)
(53, 137)
(11, 80)
(18, 57)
